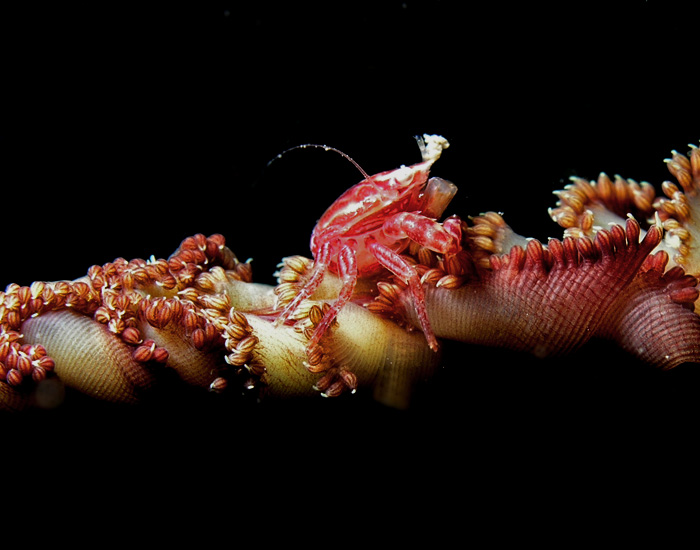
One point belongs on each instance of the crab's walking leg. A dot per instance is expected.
(443, 238)
(347, 267)
(315, 280)
(402, 269)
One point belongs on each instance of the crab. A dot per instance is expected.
(365, 230)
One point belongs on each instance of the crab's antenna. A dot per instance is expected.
(325, 148)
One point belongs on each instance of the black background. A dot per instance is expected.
(129, 129)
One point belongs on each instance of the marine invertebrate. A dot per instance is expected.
(364, 231)
(625, 270)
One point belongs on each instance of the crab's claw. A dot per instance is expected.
(431, 147)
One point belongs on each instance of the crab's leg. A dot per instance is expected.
(315, 279)
(347, 268)
(443, 238)
(402, 269)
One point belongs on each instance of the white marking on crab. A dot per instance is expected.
(403, 175)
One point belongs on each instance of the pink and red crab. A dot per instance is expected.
(365, 230)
